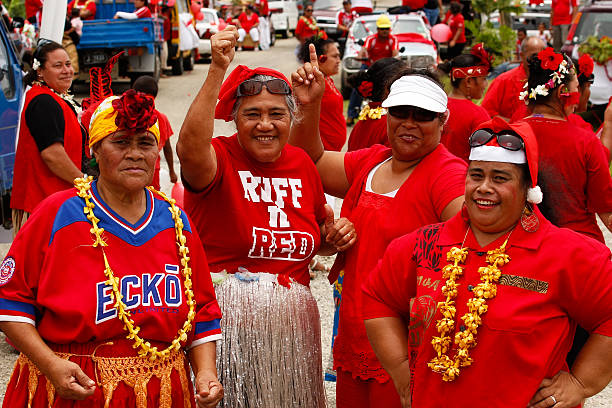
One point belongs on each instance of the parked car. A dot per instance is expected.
(206, 27)
(325, 12)
(283, 16)
(416, 47)
(593, 19)
(11, 96)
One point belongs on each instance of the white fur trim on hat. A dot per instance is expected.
(534, 195)
(419, 91)
(497, 154)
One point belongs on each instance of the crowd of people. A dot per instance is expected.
(468, 251)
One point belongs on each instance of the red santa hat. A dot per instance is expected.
(493, 152)
(227, 93)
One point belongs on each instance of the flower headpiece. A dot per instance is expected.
(35, 64)
(365, 88)
(552, 61)
(480, 69)
(586, 66)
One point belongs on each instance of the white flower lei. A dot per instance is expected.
(556, 79)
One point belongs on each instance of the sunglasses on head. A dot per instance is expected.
(507, 139)
(253, 87)
(418, 114)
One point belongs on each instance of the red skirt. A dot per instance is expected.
(122, 379)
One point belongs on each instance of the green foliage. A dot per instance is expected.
(499, 40)
(488, 7)
(600, 50)
(16, 8)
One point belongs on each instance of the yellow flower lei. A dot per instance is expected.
(83, 186)
(369, 113)
(466, 339)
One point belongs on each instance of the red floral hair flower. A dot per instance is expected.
(586, 65)
(550, 59)
(135, 111)
(365, 89)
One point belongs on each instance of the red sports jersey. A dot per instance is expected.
(143, 12)
(555, 279)
(573, 174)
(345, 19)
(332, 125)
(247, 22)
(380, 48)
(264, 217)
(465, 116)
(502, 97)
(438, 179)
(53, 278)
(562, 11)
(80, 4)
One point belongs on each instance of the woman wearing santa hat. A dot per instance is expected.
(494, 294)
(468, 76)
(259, 208)
(387, 192)
(574, 173)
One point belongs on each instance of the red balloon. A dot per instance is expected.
(441, 33)
(178, 193)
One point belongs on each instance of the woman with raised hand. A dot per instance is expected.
(387, 193)
(492, 297)
(107, 281)
(259, 207)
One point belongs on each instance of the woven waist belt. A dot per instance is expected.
(110, 371)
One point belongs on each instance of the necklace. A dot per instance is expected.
(83, 186)
(486, 289)
(372, 113)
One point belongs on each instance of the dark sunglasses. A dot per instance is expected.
(418, 114)
(506, 138)
(310, 10)
(253, 87)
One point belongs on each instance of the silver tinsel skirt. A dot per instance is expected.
(270, 355)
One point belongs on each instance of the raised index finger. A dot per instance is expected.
(314, 61)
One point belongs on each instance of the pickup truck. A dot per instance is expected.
(104, 37)
(11, 96)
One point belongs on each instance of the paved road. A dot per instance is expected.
(175, 96)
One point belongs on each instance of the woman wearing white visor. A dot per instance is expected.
(387, 192)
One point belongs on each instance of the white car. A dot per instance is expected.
(284, 16)
(206, 27)
(416, 47)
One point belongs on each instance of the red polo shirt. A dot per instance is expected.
(555, 279)
(378, 47)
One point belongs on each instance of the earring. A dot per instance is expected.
(529, 220)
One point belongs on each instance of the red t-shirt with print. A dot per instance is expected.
(264, 217)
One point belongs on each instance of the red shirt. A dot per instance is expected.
(578, 121)
(345, 19)
(465, 116)
(414, 4)
(55, 246)
(88, 4)
(562, 11)
(332, 125)
(378, 47)
(555, 279)
(369, 132)
(33, 181)
(573, 174)
(502, 97)
(143, 12)
(303, 28)
(273, 211)
(263, 7)
(247, 22)
(456, 23)
(165, 131)
(438, 179)
(32, 7)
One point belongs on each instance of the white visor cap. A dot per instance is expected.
(419, 91)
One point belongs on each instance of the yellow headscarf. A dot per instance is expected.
(103, 124)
